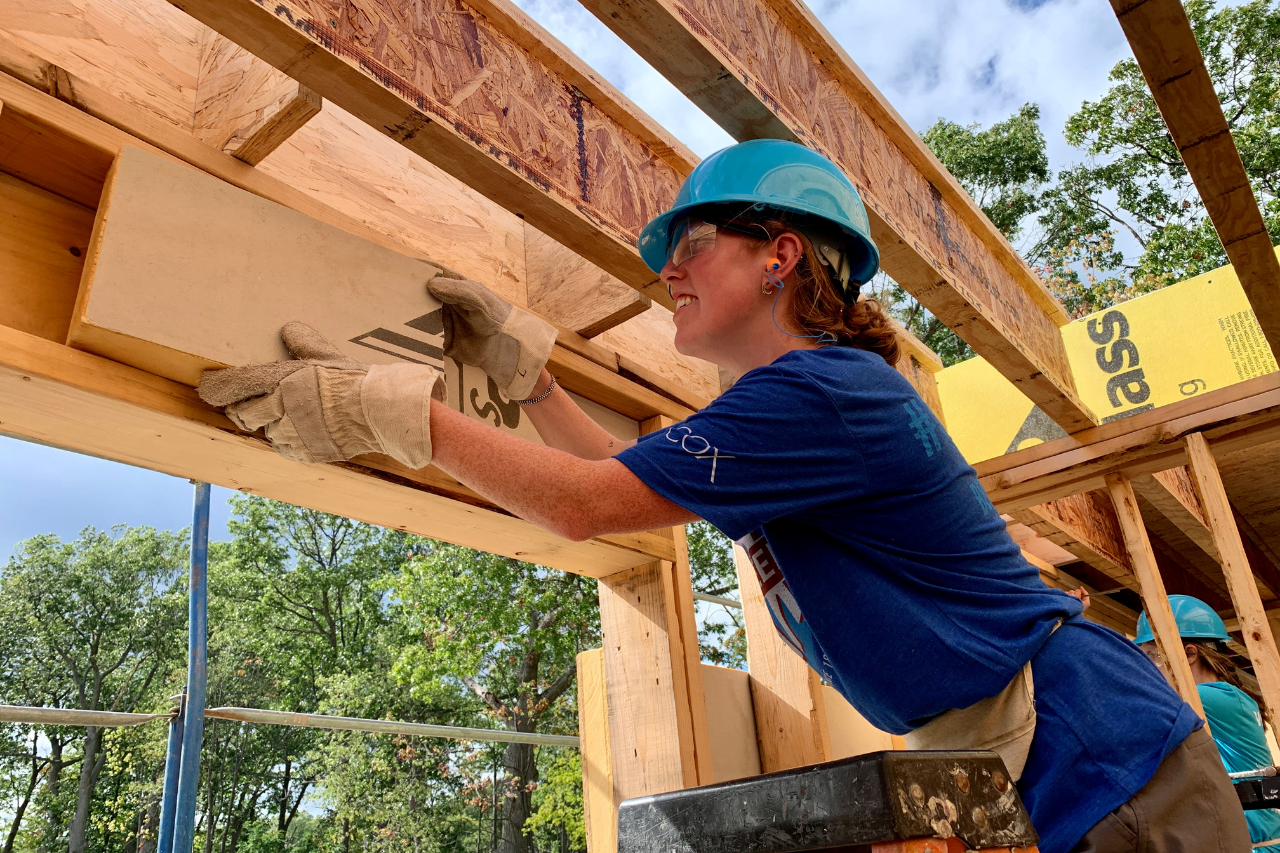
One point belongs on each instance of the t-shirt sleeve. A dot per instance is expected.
(773, 445)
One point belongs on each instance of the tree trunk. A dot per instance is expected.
(21, 809)
(517, 796)
(93, 757)
(51, 788)
(151, 825)
(281, 823)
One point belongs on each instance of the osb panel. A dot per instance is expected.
(344, 163)
(650, 340)
(454, 64)
(749, 37)
(237, 94)
(1252, 484)
(144, 51)
(572, 292)
(1090, 518)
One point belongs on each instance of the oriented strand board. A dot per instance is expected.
(649, 340)
(145, 52)
(572, 292)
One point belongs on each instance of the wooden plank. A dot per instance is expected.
(1154, 599)
(648, 342)
(481, 91)
(571, 291)
(1086, 525)
(791, 717)
(600, 809)
(59, 396)
(650, 725)
(43, 239)
(1167, 52)
(1173, 494)
(734, 751)
(767, 68)
(1235, 568)
(1239, 416)
(244, 107)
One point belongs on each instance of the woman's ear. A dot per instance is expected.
(787, 251)
(1193, 653)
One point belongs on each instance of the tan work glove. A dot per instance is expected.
(483, 330)
(327, 407)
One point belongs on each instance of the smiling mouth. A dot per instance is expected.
(682, 301)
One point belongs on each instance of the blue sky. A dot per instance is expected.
(975, 61)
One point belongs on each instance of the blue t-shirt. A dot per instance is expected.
(886, 566)
(1236, 724)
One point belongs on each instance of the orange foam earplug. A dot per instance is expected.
(774, 264)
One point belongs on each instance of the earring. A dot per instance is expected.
(773, 281)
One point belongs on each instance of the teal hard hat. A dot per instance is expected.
(1195, 619)
(771, 173)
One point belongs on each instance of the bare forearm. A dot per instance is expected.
(573, 497)
(563, 425)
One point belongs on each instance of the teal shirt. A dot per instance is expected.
(1236, 724)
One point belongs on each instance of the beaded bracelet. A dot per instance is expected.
(538, 399)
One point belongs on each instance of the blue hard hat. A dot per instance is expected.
(771, 173)
(1195, 619)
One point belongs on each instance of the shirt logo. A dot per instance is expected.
(923, 425)
(696, 446)
(777, 595)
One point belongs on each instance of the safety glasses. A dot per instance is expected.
(693, 237)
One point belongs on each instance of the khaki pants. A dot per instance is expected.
(1189, 806)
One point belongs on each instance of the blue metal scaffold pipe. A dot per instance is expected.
(184, 823)
(172, 767)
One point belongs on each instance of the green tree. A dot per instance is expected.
(506, 633)
(105, 613)
(722, 637)
(1128, 220)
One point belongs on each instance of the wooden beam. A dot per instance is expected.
(244, 107)
(484, 93)
(791, 717)
(1235, 568)
(1165, 46)
(768, 68)
(59, 396)
(1173, 494)
(600, 809)
(571, 291)
(1154, 599)
(1236, 417)
(1086, 525)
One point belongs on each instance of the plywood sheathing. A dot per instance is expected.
(244, 107)
(768, 68)
(648, 342)
(1165, 46)
(488, 97)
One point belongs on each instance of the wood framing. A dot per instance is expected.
(1154, 599)
(1235, 568)
(244, 107)
(791, 718)
(600, 809)
(488, 96)
(1173, 494)
(767, 68)
(1086, 525)
(1166, 49)
(1232, 418)
(570, 291)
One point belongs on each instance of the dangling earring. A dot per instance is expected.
(772, 266)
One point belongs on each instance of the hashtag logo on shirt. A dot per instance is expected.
(922, 425)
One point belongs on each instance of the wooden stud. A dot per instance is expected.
(570, 291)
(1239, 416)
(599, 807)
(791, 718)
(767, 68)
(1165, 46)
(1235, 568)
(1173, 494)
(481, 91)
(1154, 599)
(244, 107)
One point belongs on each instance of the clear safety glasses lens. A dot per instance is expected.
(691, 238)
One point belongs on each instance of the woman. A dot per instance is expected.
(1234, 712)
(901, 587)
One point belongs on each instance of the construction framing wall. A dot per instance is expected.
(470, 138)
